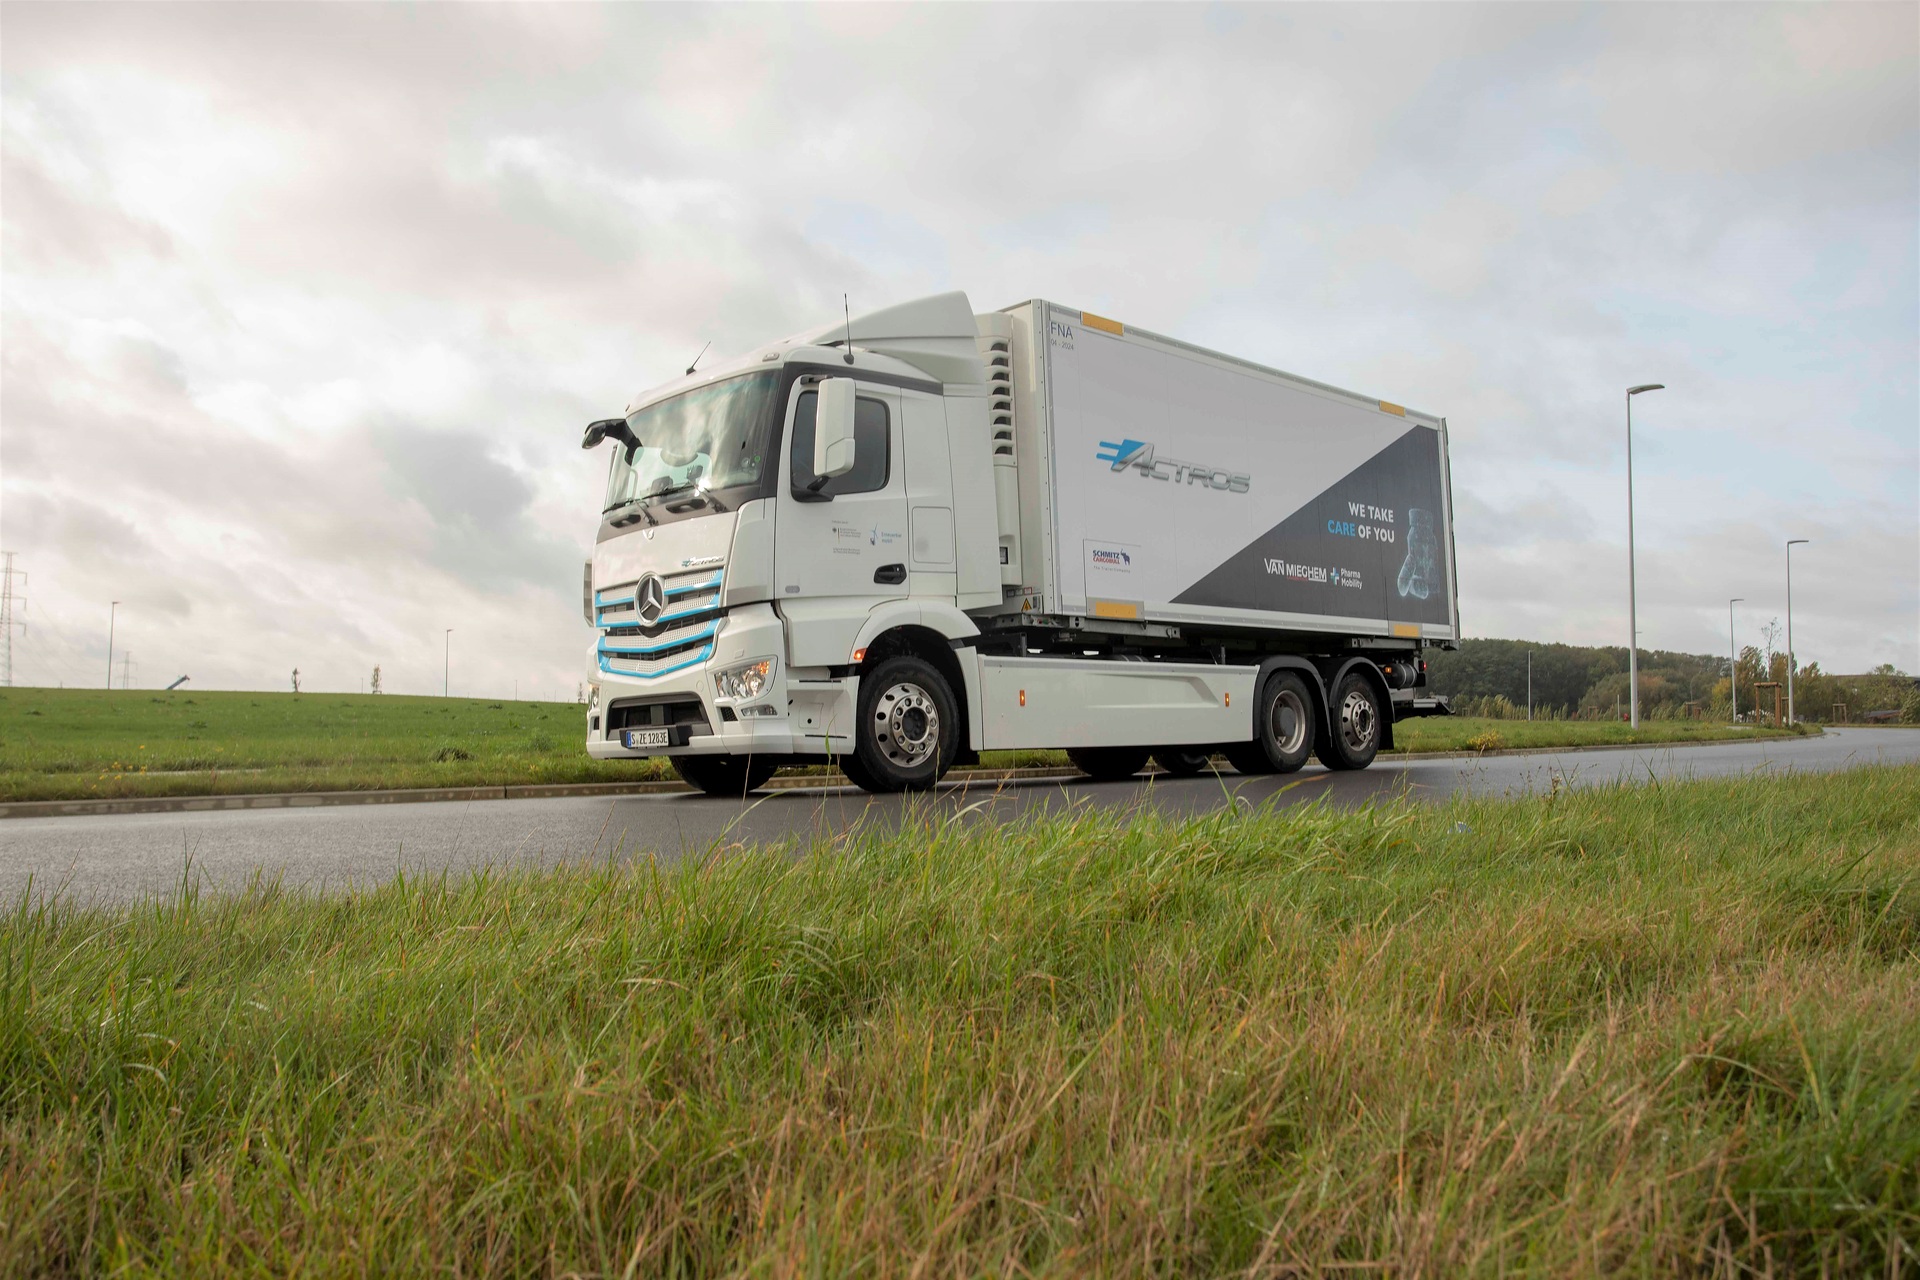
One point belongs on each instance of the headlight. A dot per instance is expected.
(593, 698)
(744, 682)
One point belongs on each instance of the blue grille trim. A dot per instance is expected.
(693, 661)
(687, 589)
(670, 642)
(601, 599)
(695, 611)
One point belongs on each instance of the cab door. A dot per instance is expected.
(845, 539)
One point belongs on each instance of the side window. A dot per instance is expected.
(872, 448)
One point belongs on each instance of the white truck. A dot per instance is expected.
(900, 540)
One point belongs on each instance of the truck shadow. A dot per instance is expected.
(777, 816)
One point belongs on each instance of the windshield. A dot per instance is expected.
(714, 437)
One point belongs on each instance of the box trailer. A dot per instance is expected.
(1168, 483)
(897, 541)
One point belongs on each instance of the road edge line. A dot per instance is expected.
(573, 790)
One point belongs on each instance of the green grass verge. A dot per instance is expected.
(1672, 1029)
(79, 744)
(84, 743)
(1470, 733)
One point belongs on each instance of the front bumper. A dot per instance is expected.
(792, 717)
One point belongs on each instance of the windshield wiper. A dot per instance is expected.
(704, 497)
(618, 515)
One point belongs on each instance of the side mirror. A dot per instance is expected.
(833, 429)
(598, 431)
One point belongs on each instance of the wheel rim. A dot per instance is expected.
(906, 726)
(1287, 721)
(1359, 721)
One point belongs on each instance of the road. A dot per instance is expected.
(133, 856)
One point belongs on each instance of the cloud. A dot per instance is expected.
(304, 306)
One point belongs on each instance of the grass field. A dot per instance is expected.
(1665, 1030)
(66, 744)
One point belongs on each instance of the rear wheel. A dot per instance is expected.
(1357, 725)
(1283, 727)
(1109, 764)
(1183, 762)
(724, 775)
(907, 732)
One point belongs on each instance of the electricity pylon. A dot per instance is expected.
(7, 621)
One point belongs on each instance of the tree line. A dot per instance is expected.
(1489, 677)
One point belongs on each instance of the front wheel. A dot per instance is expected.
(1357, 725)
(908, 730)
(724, 775)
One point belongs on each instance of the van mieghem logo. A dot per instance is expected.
(1143, 457)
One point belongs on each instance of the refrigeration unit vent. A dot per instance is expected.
(995, 339)
(996, 353)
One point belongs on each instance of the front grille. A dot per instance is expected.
(681, 636)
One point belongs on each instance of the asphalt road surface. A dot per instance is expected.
(132, 856)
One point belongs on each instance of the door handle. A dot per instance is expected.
(891, 575)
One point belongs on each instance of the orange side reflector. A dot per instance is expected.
(1387, 406)
(1226, 699)
(1023, 697)
(1101, 323)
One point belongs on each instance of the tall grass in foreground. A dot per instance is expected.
(1658, 1030)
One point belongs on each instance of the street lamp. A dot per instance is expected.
(1633, 613)
(110, 612)
(1733, 661)
(1791, 544)
(446, 668)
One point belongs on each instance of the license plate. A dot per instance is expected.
(648, 738)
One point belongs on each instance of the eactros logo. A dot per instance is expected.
(1141, 456)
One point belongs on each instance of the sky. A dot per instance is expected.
(303, 307)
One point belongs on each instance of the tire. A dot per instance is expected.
(1109, 764)
(1357, 725)
(1285, 724)
(1183, 762)
(908, 729)
(724, 775)
(859, 777)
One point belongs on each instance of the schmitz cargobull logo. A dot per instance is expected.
(1141, 456)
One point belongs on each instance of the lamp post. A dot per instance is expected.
(1733, 661)
(110, 612)
(1633, 612)
(446, 667)
(1791, 544)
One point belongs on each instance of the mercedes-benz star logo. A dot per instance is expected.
(650, 599)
